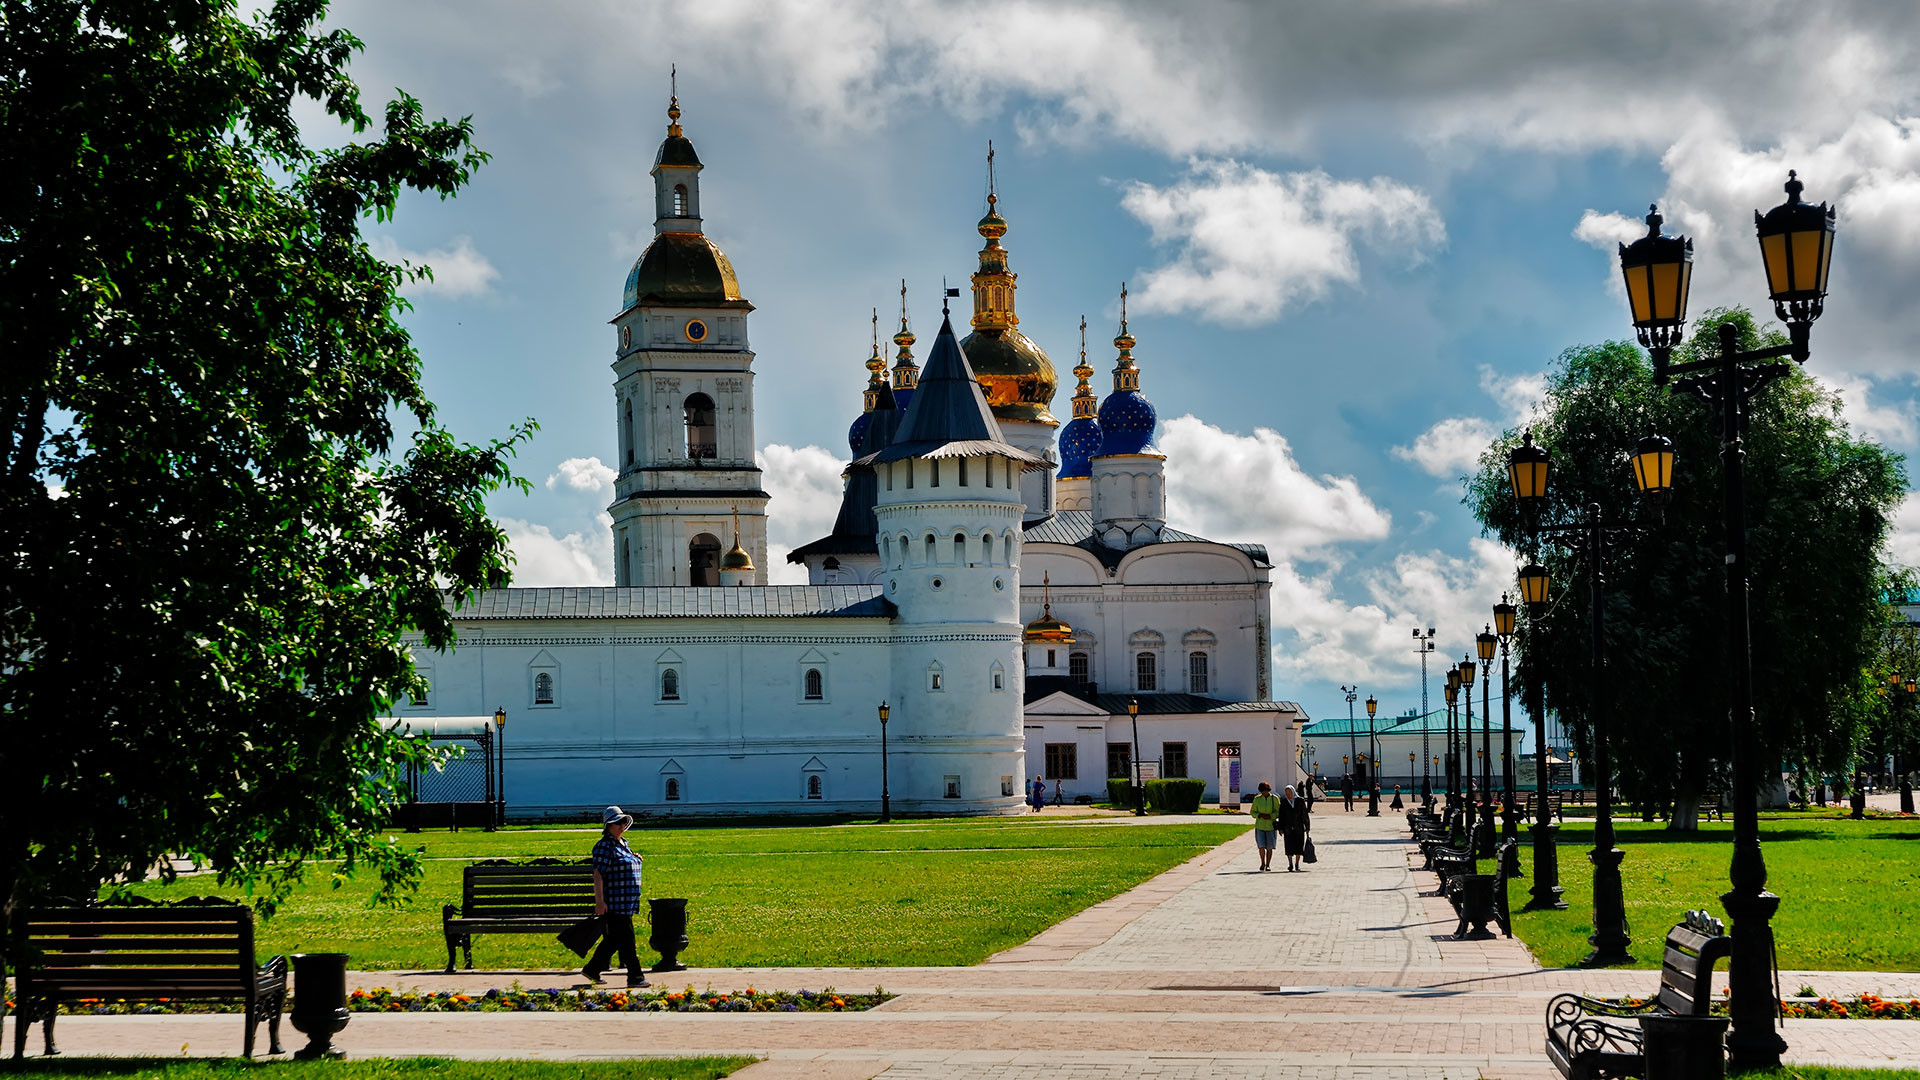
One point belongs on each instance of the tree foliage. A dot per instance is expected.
(1818, 508)
(214, 538)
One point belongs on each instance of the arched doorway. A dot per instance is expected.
(703, 560)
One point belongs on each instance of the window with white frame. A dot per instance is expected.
(1146, 671)
(1197, 678)
(936, 678)
(997, 677)
(815, 685)
(1078, 668)
(543, 688)
(953, 787)
(422, 698)
(669, 684)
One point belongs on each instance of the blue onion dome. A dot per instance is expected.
(1127, 418)
(1080, 440)
(857, 432)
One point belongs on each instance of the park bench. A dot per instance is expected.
(1584, 1045)
(143, 953)
(1713, 805)
(500, 896)
(1479, 899)
(1554, 803)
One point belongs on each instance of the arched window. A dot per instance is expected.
(670, 685)
(906, 551)
(963, 472)
(959, 549)
(930, 558)
(543, 689)
(813, 785)
(909, 465)
(1197, 673)
(933, 472)
(700, 437)
(1078, 669)
(1009, 549)
(886, 551)
(703, 560)
(673, 789)
(986, 548)
(626, 430)
(679, 200)
(1146, 672)
(831, 568)
(625, 570)
(815, 685)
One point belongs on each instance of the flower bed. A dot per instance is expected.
(519, 999)
(1864, 1007)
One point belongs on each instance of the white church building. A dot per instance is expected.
(1007, 587)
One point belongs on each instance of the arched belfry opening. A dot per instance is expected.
(679, 200)
(701, 442)
(703, 560)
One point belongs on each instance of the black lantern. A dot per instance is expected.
(1658, 270)
(1527, 468)
(1913, 685)
(1653, 467)
(1372, 705)
(1453, 683)
(1466, 672)
(1533, 585)
(1486, 644)
(1504, 615)
(1796, 242)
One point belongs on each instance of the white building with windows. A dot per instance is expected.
(1009, 588)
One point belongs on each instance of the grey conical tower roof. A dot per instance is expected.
(948, 416)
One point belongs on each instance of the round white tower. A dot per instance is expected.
(948, 512)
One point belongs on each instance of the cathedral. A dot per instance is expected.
(1000, 597)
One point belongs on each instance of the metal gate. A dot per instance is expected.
(463, 791)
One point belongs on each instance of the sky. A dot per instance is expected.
(1355, 237)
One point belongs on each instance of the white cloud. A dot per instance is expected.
(1890, 424)
(586, 474)
(1230, 486)
(1249, 243)
(542, 559)
(458, 271)
(1903, 544)
(805, 487)
(1452, 447)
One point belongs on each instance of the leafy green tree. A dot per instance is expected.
(214, 537)
(1818, 507)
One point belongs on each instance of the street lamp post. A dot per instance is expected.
(1139, 789)
(1796, 249)
(1485, 643)
(1546, 892)
(1353, 754)
(1527, 467)
(500, 756)
(1423, 644)
(1505, 615)
(1466, 758)
(1901, 764)
(1373, 759)
(1410, 768)
(1452, 768)
(886, 797)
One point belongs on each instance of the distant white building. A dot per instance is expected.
(1007, 598)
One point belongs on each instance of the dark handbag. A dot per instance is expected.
(581, 936)
(1306, 853)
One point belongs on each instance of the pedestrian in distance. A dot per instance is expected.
(1396, 804)
(1346, 788)
(1266, 811)
(1058, 795)
(1295, 819)
(616, 898)
(1038, 795)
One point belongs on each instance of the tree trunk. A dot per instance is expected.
(1686, 811)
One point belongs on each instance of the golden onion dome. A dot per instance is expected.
(993, 226)
(683, 268)
(1046, 628)
(1015, 374)
(736, 557)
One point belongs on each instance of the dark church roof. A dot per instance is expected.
(1074, 528)
(679, 601)
(948, 416)
(854, 530)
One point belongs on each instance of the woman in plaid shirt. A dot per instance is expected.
(616, 898)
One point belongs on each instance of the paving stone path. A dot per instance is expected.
(1211, 970)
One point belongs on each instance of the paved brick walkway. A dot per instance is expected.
(1211, 970)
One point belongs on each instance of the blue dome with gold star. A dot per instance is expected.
(1127, 420)
(1079, 442)
(858, 432)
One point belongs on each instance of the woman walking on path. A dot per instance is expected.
(1397, 804)
(1037, 795)
(1294, 822)
(616, 898)
(1265, 809)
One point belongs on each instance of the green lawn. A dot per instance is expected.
(1850, 889)
(695, 1068)
(912, 893)
(1821, 1072)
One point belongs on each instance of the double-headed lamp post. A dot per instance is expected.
(1139, 786)
(1373, 762)
(1452, 767)
(1466, 755)
(1423, 644)
(886, 797)
(1796, 250)
(1505, 615)
(1486, 645)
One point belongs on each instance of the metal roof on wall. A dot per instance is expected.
(680, 601)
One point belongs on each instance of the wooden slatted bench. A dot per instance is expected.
(188, 950)
(500, 896)
(1584, 1045)
(1554, 802)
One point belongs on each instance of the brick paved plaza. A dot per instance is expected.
(1211, 970)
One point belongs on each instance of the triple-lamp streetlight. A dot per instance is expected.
(1373, 761)
(1796, 250)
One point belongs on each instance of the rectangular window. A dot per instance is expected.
(933, 472)
(1197, 673)
(1077, 668)
(953, 787)
(1063, 761)
(1146, 672)
(1173, 760)
(909, 465)
(1006, 785)
(1119, 760)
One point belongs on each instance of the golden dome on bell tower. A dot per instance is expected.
(1016, 375)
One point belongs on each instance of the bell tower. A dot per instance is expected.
(683, 398)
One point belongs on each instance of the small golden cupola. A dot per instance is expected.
(1048, 639)
(906, 373)
(1016, 375)
(736, 566)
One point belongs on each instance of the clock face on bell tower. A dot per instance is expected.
(696, 330)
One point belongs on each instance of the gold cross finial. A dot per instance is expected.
(1123, 307)
(991, 197)
(903, 301)
(1083, 343)
(1046, 592)
(673, 100)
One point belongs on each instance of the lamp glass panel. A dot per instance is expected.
(1667, 294)
(1826, 258)
(1503, 617)
(1466, 671)
(1486, 643)
(1808, 246)
(1773, 251)
(1640, 293)
(1534, 586)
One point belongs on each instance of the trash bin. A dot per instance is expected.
(319, 1002)
(1685, 1047)
(668, 917)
